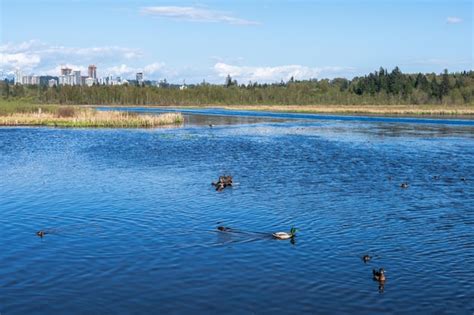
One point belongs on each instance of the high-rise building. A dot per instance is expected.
(139, 77)
(52, 82)
(92, 71)
(66, 71)
(76, 78)
(90, 81)
(18, 77)
(35, 79)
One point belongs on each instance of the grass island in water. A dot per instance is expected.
(74, 116)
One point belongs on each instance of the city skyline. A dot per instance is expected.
(258, 41)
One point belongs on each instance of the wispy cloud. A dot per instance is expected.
(453, 20)
(195, 14)
(276, 73)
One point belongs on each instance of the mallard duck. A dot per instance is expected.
(404, 185)
(366, 258)
(41, 233)
(285, 235)
(379, 275)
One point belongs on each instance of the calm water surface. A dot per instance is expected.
(132, 217)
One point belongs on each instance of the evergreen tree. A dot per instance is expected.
(444, 86)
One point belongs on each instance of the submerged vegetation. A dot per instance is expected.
(74, 116)
(381, 87)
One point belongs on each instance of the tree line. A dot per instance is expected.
(380, 87)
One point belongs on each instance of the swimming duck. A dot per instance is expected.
(211, 125)
(463, 179)
(285, 235)
(404, 185)
(379, 275)
(366, 258)
(223, 228)
(41, 233)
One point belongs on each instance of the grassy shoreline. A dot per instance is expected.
(82, 117)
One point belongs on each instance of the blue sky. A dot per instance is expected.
(248, 39)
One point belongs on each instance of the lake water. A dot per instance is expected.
(132, 217)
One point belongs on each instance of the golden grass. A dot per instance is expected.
(403, 110)
(87, 117)
(388, 110)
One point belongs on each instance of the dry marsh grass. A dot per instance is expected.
(408, 110)
(87, 117)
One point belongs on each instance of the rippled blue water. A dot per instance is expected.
(132, 218)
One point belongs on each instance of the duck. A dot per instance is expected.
(379, 275)
(41, 233)
(404, 185)
(285, 235)
(366, 258)
(211, 125)
(224, 228)
(463, 179)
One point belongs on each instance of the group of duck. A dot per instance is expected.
(226, 181)
(377, 275)
(223, 182)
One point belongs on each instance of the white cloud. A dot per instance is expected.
(126, 71)
(36, 56)
(274, 74)
(11, 61)
(453, 20)
(195, 14)
(121, 70)
(153, 68)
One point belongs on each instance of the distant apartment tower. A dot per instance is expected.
(139, 77)
(18, 77)
(90, 81)
(92, 71)
(52, 82)
(69, 77)
(66, 71)
(27, 79)
(76, 78)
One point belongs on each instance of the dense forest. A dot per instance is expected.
(380, 87)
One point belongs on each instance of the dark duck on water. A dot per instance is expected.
(379, 275)
(366, 258)
(224, 228)
(41, 233)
